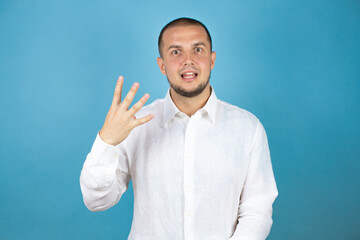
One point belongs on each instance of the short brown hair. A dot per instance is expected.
(182, 22)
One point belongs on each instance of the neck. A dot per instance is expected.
(190, 106)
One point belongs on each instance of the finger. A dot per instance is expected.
(117, 92)
(136, 107)
(143, 120)
(130, 96)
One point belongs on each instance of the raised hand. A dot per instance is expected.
(121, 120)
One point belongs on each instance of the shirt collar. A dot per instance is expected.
(170, 109)
(210, 106)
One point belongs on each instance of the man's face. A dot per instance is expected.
(187, 59)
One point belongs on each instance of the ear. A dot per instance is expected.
(213, 57)
(160, 62)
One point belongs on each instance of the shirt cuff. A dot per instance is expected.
(103, 153)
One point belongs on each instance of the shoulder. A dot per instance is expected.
(237, 122)
(231, 112)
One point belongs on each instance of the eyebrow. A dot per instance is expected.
(194, 45)
(199, 44)
(174, 46)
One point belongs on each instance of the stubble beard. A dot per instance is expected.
(189, 94)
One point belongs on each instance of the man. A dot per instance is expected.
(200, 167)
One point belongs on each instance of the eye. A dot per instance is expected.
(175, 52)
(198, 49)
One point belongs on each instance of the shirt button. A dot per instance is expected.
(187, 215)
(187, 186)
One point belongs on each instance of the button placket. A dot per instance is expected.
(189, 178)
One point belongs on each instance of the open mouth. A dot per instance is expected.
(189, 76)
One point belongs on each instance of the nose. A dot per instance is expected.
(188, 59)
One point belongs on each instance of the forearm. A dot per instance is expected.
(255, 218)
(102, 179)
(258, 194)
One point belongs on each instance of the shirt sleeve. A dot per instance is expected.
(105, 175)
(258, 194)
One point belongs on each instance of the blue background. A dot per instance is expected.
(294, 64)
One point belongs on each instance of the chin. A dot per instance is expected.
(189, 92)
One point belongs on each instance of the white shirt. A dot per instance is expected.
(208, 177)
